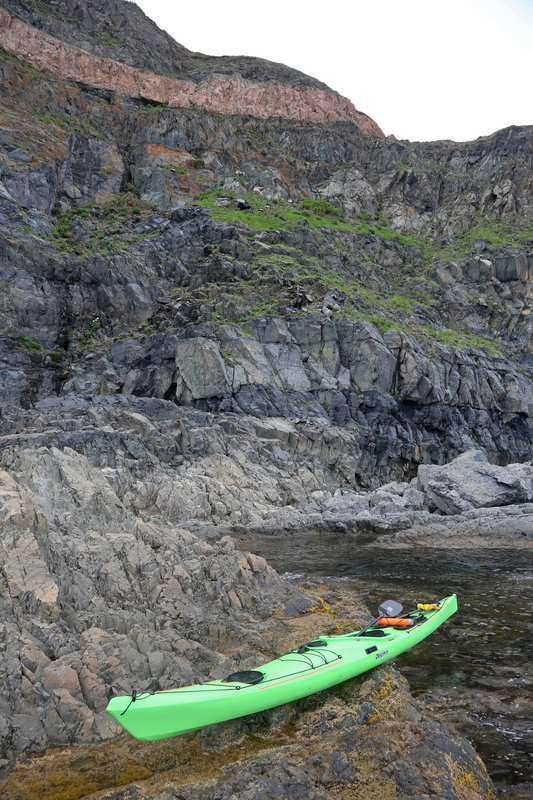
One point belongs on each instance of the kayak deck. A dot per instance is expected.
(305, 670)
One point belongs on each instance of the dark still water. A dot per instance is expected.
(477, 671)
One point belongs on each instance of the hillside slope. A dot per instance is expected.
(181, 79)
(123, 32)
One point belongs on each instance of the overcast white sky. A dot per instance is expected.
(422, 69)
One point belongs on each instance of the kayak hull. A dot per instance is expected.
(304, 671)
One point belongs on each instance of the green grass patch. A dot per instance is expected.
(67, 123)
(367, 296)
(108, 41)
(399, 302)
(270, 215)
(450, 338)
(25, 343)
(278, 261)
(318, 277)
(109, 229)
(250, 305)
(269, 306)
(48, 119)
(174, 168)
(92, 329)
(494, 233)
(322, 208)
(453, 338)
(381, 323)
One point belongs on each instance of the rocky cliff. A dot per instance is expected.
(217, 320)
(219, 90)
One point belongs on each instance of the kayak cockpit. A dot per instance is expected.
(249, 676)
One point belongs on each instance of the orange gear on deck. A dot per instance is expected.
(396, 622)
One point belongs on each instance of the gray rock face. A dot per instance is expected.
(95, 599)
(200, 369)
(91, 170)
(468, 502)
(345, 378)
(419, 175)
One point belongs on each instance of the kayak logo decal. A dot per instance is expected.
(383, 653)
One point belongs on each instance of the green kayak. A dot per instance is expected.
(309, 668)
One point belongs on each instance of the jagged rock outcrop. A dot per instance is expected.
(96, 594)
(340, 386)
(439, 179)
(470, 482)
(93, 597)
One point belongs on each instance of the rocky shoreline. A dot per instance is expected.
(355, 740)
(171, 601)
(466, 503)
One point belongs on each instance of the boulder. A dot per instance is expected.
(201, 368)
(470, 481)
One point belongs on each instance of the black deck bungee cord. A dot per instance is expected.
(205, 688)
